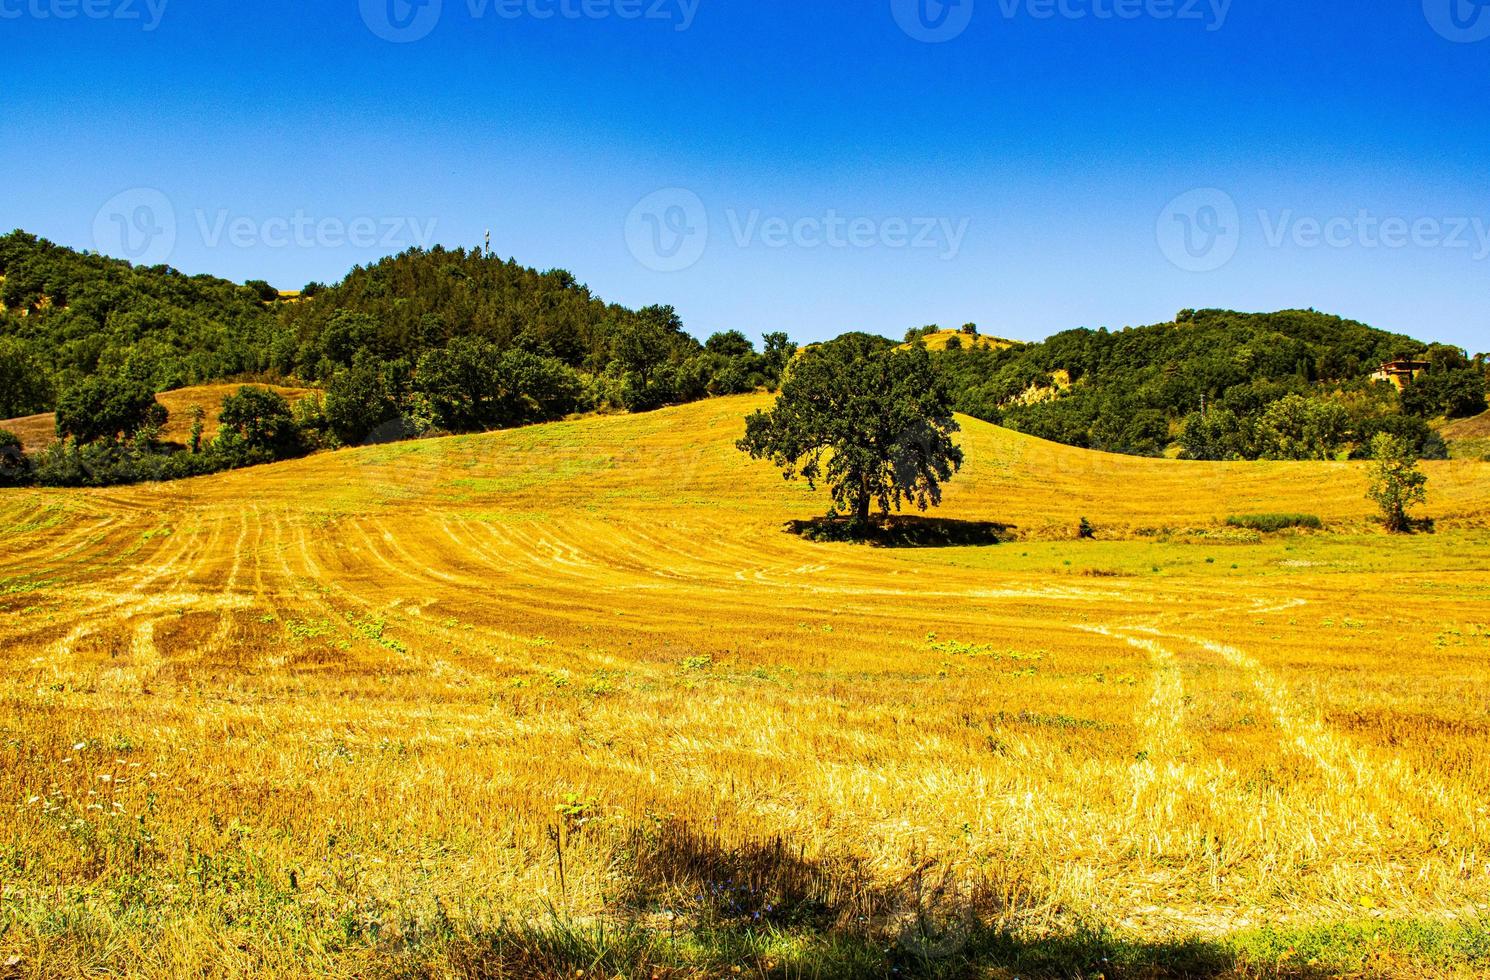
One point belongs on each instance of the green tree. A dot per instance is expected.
(348, 334)
(779, 351)
(1215, 435)
(1397, 485)
(359, 400)
(25, 388)
(198, 425)
(730, 343)
(641, 344)
(539, 389)
(1456, 393)
(15, 469)
(261, 419)
(874, 421)
(462, 383)
(107, 407)
(262, 291)
(1295, 427)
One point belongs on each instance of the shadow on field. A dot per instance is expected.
(906, 531)
(691, 905)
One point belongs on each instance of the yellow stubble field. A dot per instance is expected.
(569, 698)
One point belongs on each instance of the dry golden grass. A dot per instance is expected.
(938, 340)
(38, 431)
(346, 716)
(1468, 438)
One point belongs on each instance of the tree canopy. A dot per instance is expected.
(1208, 380)
(873, 421)
(107, 407)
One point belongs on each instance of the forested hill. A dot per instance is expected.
(68, 314)
(423, 299)
(484, 331)
(1292, 384)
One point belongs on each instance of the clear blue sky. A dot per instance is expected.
(1043, 140)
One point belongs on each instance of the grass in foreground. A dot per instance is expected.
(570, 698)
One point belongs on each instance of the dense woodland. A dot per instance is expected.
(443, 341)
(426, 342)
(1218, 385)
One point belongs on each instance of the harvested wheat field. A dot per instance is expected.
(569, 699)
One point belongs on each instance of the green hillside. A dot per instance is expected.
(1292, 384)
(69, 315)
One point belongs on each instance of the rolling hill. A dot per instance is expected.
(569, 698)
(39, 431)
(1468, 438)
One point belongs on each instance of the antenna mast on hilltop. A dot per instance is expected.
(488, 243)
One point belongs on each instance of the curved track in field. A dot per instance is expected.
(610, 607)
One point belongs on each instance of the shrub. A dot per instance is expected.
(15, 468)
(359, 401)
(1397, 485)
(25, 387)
(261, 419)
(1272, 523)
(262, 291)
(105, 407)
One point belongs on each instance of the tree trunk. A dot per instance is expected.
(861, 505)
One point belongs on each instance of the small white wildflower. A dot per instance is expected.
(80, 746)
(33, 800)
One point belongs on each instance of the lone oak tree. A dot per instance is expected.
(871, 418)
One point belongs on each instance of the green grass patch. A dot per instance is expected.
(1272, 523)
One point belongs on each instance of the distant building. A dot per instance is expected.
(1399, 374)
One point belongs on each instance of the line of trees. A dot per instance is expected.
(68, 316)
(109, 432)
(1221, 385)
(426, 342)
